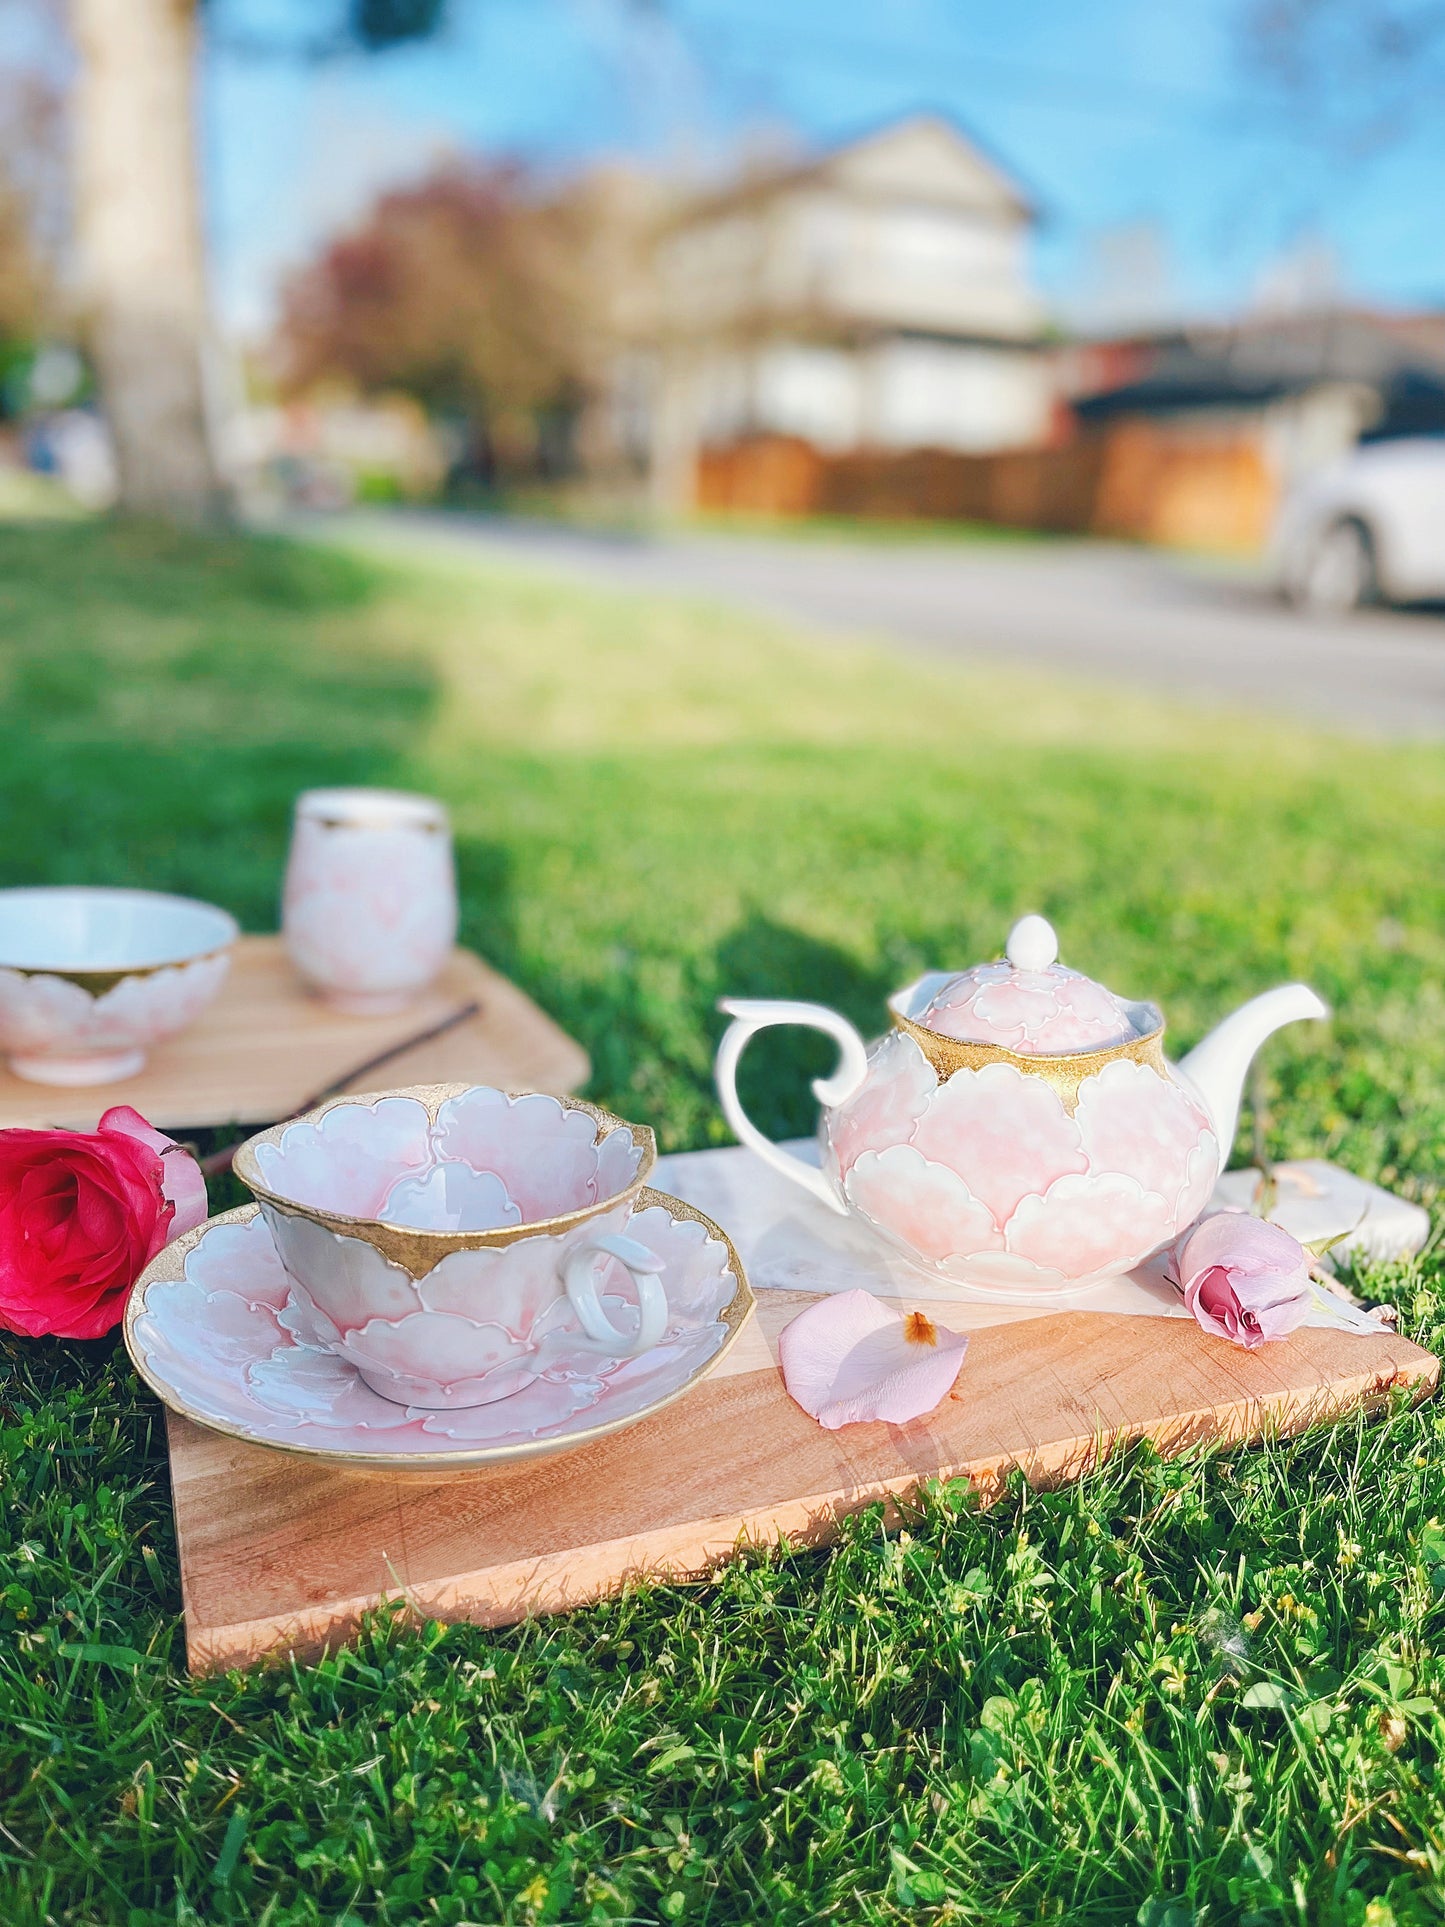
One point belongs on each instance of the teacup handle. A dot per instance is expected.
(579, 1277)
(750, 1015)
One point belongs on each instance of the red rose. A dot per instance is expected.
(82, 1213)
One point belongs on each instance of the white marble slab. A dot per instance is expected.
(1315, 1200)
(790, 1241)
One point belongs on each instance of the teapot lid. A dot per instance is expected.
(1031, 1004)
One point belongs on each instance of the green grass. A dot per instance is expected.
(869, 529)
(1203, 1691)
(632, 515)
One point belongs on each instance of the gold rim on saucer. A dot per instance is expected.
(169, 1266)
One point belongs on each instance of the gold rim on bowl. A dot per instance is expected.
(169, 1266)
(97, 982)
(417, 1250)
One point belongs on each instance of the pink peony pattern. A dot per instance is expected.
(349, 1159)
(926, 1205)
(488, 1160)
(370, 905)
(51, 1016)
(544, 1154)
(1006, 1131)
(1088, 1226)
(1203, 1170)
(892, 1098)
(1048, 1012)
(987, 1177)
(231, 1339)
(1130, 1120)
(400, 1359)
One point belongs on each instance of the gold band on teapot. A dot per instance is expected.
(1066, 1072)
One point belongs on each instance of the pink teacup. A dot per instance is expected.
(454, 1242)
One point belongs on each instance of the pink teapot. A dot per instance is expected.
(1018, 1129)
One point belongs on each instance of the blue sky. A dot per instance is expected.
(1161, 162)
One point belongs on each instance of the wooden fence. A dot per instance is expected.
(1135, 479)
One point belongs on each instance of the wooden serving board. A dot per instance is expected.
(267, 1044)
(282, 1556)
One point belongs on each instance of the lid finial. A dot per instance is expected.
(1032, 944)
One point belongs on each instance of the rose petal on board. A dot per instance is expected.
(849, 1359)
(181, 1178)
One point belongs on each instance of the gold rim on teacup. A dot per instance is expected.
(417, 1250)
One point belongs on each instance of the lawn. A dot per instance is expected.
(1209, 1691)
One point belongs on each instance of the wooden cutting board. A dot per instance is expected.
(267, 1044)
(279, 1556)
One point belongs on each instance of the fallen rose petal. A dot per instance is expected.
(849, 1358)
(181, 1178)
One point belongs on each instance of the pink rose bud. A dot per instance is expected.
(1243, 1278)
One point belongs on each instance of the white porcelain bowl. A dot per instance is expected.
(454, 1243)
(90, 979)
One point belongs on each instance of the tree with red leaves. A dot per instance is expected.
(468, 291)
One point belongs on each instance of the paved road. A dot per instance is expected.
(1093, 610)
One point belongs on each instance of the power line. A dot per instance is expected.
(719, 42)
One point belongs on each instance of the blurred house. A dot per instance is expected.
(1200, 431)
(1187, 436)
(875, 297)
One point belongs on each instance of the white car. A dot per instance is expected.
(1371, 528)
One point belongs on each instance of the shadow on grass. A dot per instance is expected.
(484, 885)
(761, 958)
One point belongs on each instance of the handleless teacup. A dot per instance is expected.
(455, 1242)
(369, 911)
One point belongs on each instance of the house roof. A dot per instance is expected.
(922, 157)
(1265, 358)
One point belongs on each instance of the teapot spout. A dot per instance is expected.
(1217, 1067)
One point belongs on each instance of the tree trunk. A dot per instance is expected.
(138, 230)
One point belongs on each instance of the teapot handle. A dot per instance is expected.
(751, 1015)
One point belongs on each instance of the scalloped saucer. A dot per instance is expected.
(207, 1329)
